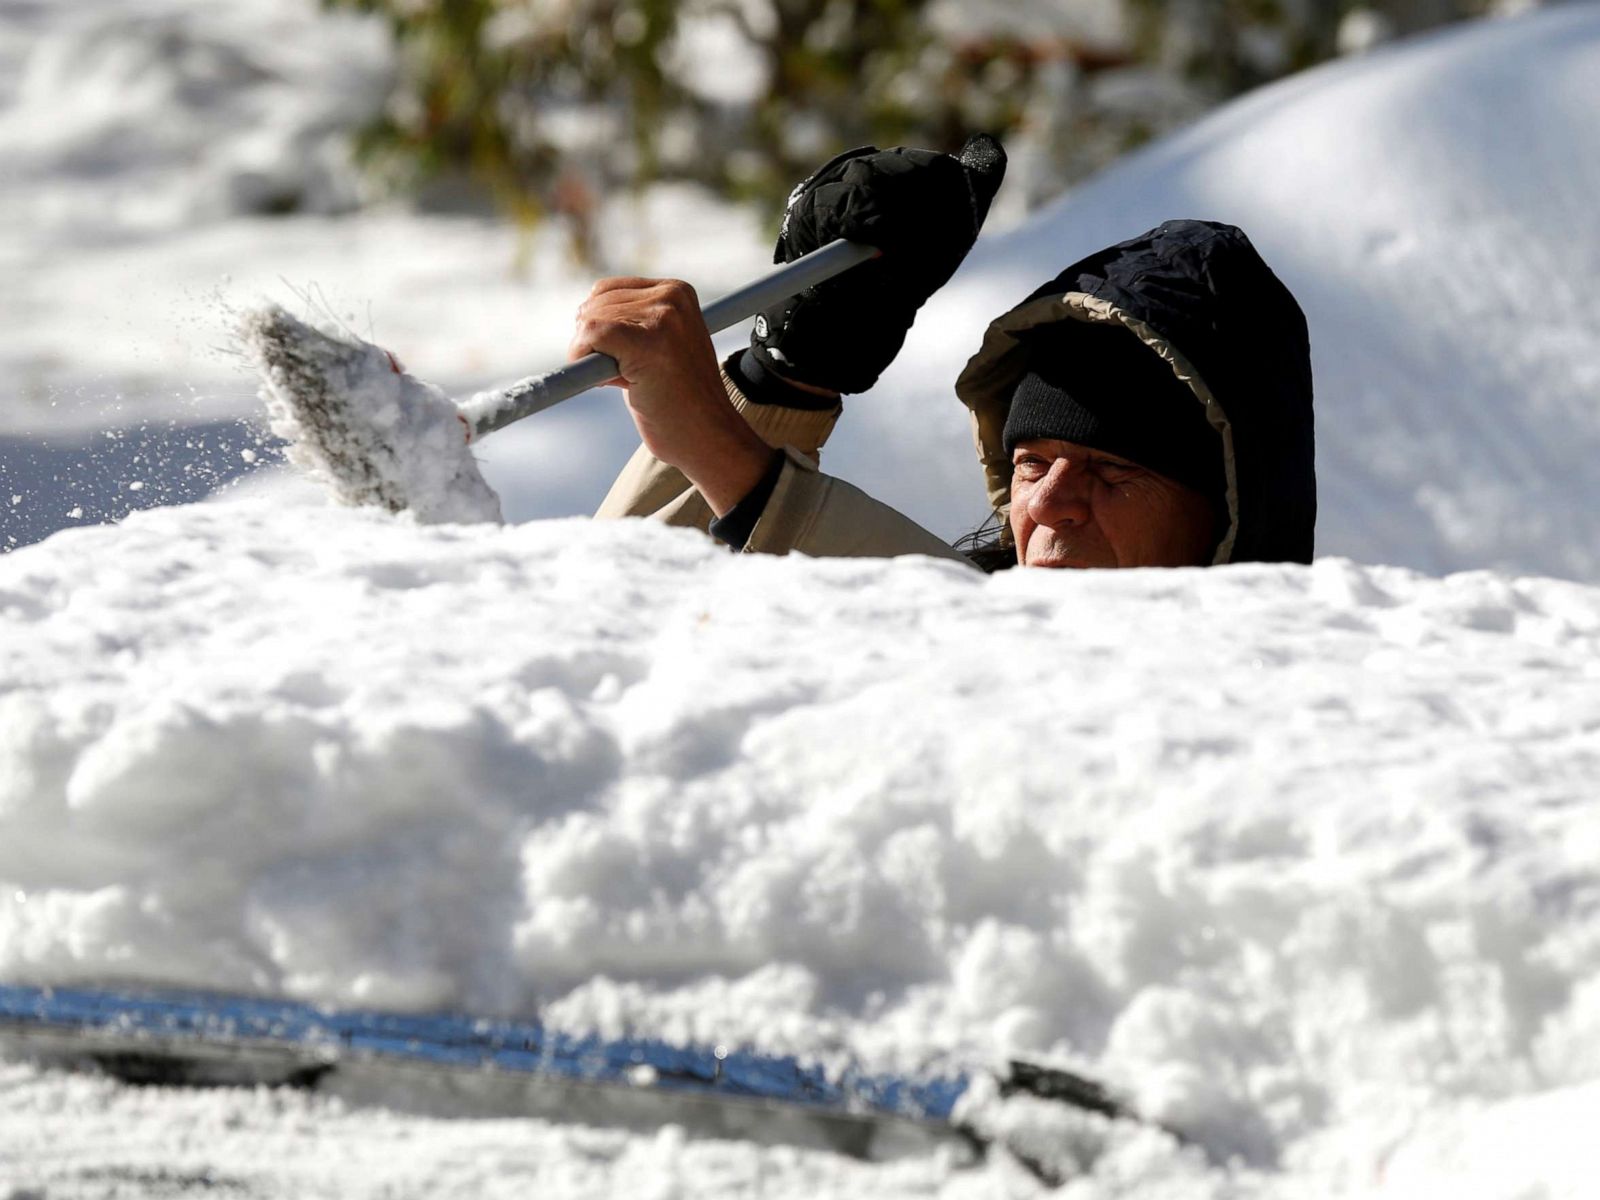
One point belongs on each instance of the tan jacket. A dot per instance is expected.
(809, 512)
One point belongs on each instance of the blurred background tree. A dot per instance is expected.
(544, 106)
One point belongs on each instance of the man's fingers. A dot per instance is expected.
(666, 304)
(630, 290)
(634, 283)
(639, 322)
(582, 346)
(603, 325)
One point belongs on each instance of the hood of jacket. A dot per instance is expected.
(1197, 294)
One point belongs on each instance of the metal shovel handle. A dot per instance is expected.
(489, 411)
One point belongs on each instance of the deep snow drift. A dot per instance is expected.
(1302, 857)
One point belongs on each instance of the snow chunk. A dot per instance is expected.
(356, 421)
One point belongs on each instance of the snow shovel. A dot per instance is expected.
(378, 436)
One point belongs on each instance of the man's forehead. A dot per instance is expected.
(1057, 448)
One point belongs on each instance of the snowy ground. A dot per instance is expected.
(1302, 858)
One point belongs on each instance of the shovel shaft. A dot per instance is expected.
(489, 411)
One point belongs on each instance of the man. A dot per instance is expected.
(1150, 406)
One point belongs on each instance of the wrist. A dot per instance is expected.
(736, 526)
(725, 461)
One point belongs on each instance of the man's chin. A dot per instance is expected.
(1051, 563)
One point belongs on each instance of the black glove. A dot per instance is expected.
(923, 209)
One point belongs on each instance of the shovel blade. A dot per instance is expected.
(373, 434)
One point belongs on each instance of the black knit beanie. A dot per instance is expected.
(1101, 387)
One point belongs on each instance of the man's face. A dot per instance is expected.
(1076, 507)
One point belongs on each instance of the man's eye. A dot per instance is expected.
(1115, 472)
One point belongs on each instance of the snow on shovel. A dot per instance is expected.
(377, 436)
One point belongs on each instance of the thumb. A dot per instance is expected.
(985, 162)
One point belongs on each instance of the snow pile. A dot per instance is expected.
(359, 423)
(1430, 205)
(1302, 857)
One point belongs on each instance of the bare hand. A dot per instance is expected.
(653, 328)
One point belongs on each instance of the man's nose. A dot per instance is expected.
(1062, 496)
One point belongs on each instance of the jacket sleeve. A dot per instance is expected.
(809, 512)
(816, 514)
(648, 487)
